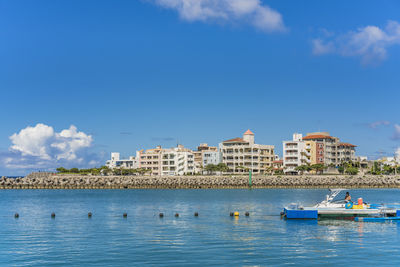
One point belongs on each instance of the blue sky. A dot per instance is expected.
(135, 74)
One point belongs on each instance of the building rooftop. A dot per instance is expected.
(317, 136)
(235, 140)
(249, 132)
(347, 144)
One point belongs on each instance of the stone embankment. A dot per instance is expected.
(52, 181)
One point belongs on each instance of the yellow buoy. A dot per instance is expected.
(236, 213)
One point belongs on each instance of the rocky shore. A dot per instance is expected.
(52, 181)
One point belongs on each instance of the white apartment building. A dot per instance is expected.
(116, 162)
(177, 161)
(295, 153)
(242, 155)
(211, 157)
(172, 161)
(391, 161)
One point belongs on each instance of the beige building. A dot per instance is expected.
(329, 150)
(242, 155)
(150, 159)
(205, 155)
(172, 161)
(311, 151)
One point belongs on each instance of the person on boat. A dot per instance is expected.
(347, 198)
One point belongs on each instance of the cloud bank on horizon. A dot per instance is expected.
(370, 43)
(41, 147)
(396, 134)
(251, 12)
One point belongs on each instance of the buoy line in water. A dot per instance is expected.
(161, 215)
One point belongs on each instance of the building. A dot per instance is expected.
(242, 155)
(296, 153)
(177, 161)
(329, 149)
(390, 161)
(206, 155)
(211, 157)
(116, 162)
(150, 159)
(277, 165)
(171, 161)
(315, 148)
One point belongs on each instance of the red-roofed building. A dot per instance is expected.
(315, 148)
(331, 149)
(277, 165)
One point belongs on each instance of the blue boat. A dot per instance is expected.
(330, 208)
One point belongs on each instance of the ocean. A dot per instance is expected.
(213, 238)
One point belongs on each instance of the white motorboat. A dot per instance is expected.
(333, 208)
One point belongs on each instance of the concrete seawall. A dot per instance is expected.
(51, 181)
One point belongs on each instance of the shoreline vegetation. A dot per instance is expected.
(78, 181)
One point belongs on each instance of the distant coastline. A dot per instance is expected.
(57, 181)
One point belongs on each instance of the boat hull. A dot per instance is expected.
(336, 213)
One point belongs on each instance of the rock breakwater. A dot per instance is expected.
(52, 181)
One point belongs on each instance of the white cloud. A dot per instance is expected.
(32, 141)
(396, 134)
(376, 124)
(370, 43)
(41, 147)
(252, 12)
(321, 47)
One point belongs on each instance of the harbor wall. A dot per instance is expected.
(57, 181)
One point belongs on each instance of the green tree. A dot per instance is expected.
(303, 168)
(210, 168)
(62, 170)
(222, 167)
(341, 169)
(318, 168)
(352, 170)
(74, 170)
(269, 170)
(142, 171)
(376, 168)
(95, 171)
(387, 169)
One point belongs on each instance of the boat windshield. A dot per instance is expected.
(336, 196)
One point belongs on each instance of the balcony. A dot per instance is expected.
(291, 160)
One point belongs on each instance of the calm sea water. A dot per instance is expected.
(213, 238)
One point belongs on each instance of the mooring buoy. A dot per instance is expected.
(196, 214)
(176, 214)
(16, 215)
(125, 215)
(247, 214)
(89, 215)
(53, 215)
(161, 214)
